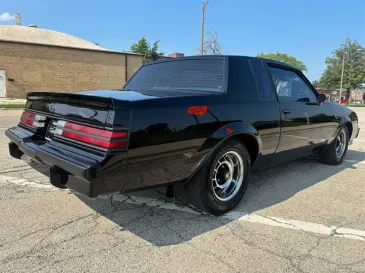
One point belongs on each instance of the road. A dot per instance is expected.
(302, 216)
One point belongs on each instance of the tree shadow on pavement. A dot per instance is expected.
(167, 227)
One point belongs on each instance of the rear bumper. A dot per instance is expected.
(79, 173)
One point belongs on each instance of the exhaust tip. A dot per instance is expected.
(58, 177)
(14, 150)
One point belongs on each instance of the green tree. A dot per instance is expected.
(352, 55)
(283, 57)
(316, 83)
(149, 53)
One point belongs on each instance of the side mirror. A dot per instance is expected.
(321, 98)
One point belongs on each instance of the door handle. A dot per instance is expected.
(313, 103)
(286, 111)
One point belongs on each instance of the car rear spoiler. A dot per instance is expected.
(71, 98)
(82, 108)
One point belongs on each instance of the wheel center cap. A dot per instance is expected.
(227, 175)
(224, 175)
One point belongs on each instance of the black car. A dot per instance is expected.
(205, 122)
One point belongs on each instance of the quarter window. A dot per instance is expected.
(291, 87)
(262, 81)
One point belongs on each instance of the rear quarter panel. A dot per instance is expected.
(165, 139)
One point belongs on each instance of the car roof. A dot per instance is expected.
(223, 56)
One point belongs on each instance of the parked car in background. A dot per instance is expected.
(204, 122)
(342, 101)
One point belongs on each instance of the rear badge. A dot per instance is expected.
(51, 130)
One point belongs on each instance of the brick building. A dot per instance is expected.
(35, 59)
(356, 96)
(333, 95)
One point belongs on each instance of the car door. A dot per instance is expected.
(323, 122)
(301, 129)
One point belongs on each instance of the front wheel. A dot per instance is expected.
(336, 151)
(222, 182)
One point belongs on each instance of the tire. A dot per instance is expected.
(207, 190)
(336, 151)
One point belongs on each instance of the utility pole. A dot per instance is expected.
(204, 5)
(343, 66)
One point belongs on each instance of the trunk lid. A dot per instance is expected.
(78, 119)
(77, 107)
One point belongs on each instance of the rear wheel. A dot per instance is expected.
(222, 182)
(336, 151)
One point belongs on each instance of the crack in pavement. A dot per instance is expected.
(348, 233)
(52, 230)
(76, 257)
(320, 229)
(287, 223)
(206, 252)
(300, 257)
(250, 243)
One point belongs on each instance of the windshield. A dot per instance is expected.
(186, 74)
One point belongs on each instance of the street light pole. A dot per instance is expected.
(204, 4)
(343, 66)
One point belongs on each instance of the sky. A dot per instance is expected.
(308, 29)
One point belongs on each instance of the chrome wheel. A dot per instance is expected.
(227, 176)
(341, 142)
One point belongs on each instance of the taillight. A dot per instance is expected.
(98, 137)
(32, 119)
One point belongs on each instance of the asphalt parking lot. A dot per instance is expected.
(302, 216)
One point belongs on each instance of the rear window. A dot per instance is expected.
(188, 74)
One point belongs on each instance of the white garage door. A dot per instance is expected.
(2, 84)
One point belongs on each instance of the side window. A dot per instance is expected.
(262, 81)
(241, 81)
(290, 87)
